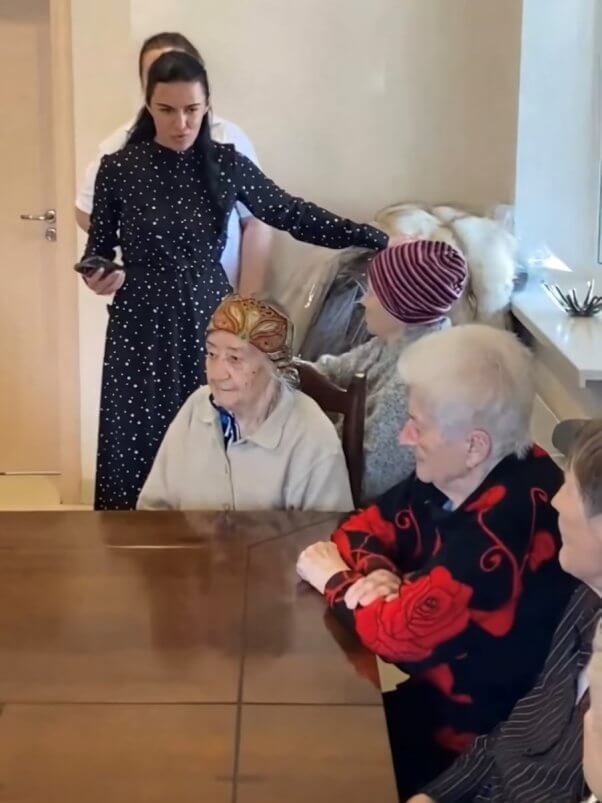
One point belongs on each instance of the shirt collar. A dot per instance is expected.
(206, 411)
(269, 434)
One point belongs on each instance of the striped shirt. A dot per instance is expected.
(536, 756)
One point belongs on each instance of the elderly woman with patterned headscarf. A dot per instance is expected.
(249, 440)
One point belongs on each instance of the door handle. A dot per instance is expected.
(49, 216)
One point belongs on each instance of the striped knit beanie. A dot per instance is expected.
(418, 282)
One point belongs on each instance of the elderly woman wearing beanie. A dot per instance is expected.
(453, 575)
(411, 288)
(249, 440)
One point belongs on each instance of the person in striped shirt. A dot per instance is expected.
(592, 737)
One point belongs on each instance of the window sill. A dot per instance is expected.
(578, 340)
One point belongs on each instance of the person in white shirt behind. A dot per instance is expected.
(249, 440)
(245, 259)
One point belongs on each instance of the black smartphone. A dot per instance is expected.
(91, 264)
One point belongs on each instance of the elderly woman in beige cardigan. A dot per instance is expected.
(249, 440)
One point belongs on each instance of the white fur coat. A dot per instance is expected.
(488, 248)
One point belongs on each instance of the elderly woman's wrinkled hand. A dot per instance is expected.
(318, 563)
(377, 585)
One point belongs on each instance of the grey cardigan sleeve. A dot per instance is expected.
(385, 462)
(341, 368)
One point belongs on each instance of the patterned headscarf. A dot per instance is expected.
(262, 325)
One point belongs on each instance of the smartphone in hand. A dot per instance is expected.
(91, 264)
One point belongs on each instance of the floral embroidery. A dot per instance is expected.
(543, 550)
(366, 541)
(442, 678)
(434, 610)
(453, 740)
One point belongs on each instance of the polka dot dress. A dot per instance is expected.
(153, 202)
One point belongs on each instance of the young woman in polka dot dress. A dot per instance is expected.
(165, 200)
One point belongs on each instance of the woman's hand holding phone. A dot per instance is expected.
(101, 275)
(105, 284)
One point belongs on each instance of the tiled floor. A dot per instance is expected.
(32, 492)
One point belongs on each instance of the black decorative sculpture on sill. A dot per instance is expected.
(568, 302)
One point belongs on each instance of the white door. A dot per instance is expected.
(29, 375)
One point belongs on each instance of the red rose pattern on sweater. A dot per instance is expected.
(434, 610)
(453, 740)
(473, 581)
(375, 545)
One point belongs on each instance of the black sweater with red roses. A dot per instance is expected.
(481, 595)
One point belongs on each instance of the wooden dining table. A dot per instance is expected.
(166, 656)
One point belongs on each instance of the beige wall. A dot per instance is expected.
(350, 104)
(105, 90)
(356, 105)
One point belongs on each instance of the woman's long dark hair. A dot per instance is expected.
(168, 68)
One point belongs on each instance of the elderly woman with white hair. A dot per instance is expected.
(249, 440)
(453, 574)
